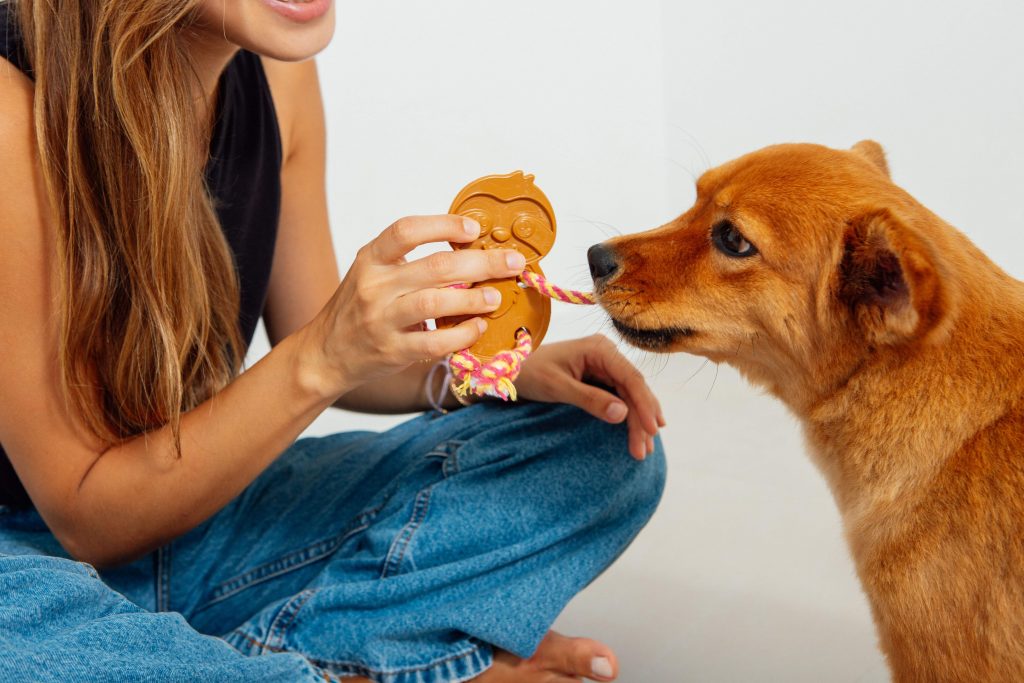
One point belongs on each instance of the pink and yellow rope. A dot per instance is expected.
(541, 284)
(497, 376)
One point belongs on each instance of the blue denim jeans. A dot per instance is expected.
(404, 556)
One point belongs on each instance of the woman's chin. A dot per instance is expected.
(285, 31)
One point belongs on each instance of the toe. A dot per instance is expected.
(577, 657)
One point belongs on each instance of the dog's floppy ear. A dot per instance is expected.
(872, 152)
(891, 280)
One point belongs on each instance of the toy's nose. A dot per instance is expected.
(603, 262)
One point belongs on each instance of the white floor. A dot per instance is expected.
(743, 574)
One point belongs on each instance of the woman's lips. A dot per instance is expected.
(300, 10)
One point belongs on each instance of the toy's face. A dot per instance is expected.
(513, 214)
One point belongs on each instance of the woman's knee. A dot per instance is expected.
(581, 453)
(602, 454)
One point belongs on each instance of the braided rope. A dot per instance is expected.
(541, 284)
(497, 376)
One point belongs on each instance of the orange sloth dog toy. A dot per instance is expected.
(513, 214)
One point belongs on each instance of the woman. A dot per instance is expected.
(152, 149)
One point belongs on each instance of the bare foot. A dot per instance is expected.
(558, 659)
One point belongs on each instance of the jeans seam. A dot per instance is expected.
(289, 562)
(278, 628)
(396, 554)
(163, 578)
(451, 463)
(357, 667)
(283, 565)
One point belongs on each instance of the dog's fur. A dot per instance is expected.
(900, 347)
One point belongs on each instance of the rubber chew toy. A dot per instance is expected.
(513, 214)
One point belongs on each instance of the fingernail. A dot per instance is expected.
(615, 411)
(600, 666)
(481, 325)
(515, 261)
(471, 227)
(492, 296)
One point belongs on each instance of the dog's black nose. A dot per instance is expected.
(602, 261)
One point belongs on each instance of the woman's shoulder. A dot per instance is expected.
(26, 245)
(21, 208)
(17, 134)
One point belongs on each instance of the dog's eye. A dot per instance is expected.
(731, 241)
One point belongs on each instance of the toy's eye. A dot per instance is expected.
(481, 217)
(731, 241)
(526, 225)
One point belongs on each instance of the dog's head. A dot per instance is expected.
(793, 259)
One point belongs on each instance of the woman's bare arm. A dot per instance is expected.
(305, 271)
(111, 505)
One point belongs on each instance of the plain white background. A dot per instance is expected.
(616, 107)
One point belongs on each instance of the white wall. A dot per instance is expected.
(938, 83)
(422, 98)
(742, 575)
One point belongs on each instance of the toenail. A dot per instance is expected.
(600, 666)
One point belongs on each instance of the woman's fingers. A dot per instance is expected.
(465, 266)
(596, 401)
(406, 234)
(644, 404)
(605, 406)
(439, 343)
(609, 365)
(429, 304)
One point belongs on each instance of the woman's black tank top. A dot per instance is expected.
(244, 179)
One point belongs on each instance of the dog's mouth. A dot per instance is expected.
(655, 339)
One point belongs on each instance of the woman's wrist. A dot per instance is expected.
(313, 375)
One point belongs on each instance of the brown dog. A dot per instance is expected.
(900, 347)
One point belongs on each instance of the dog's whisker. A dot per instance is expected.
(696, 372)
(713, 382)
(739, 346)
(660, 359)
(689, 171)
(695, 145)
(607, 229)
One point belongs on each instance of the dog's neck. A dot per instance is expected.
(898, 416)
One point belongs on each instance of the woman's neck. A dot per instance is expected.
(211, 54)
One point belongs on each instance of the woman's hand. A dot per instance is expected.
(557, 373)
(373, 325)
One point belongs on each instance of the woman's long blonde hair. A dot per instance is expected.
(148, 295)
